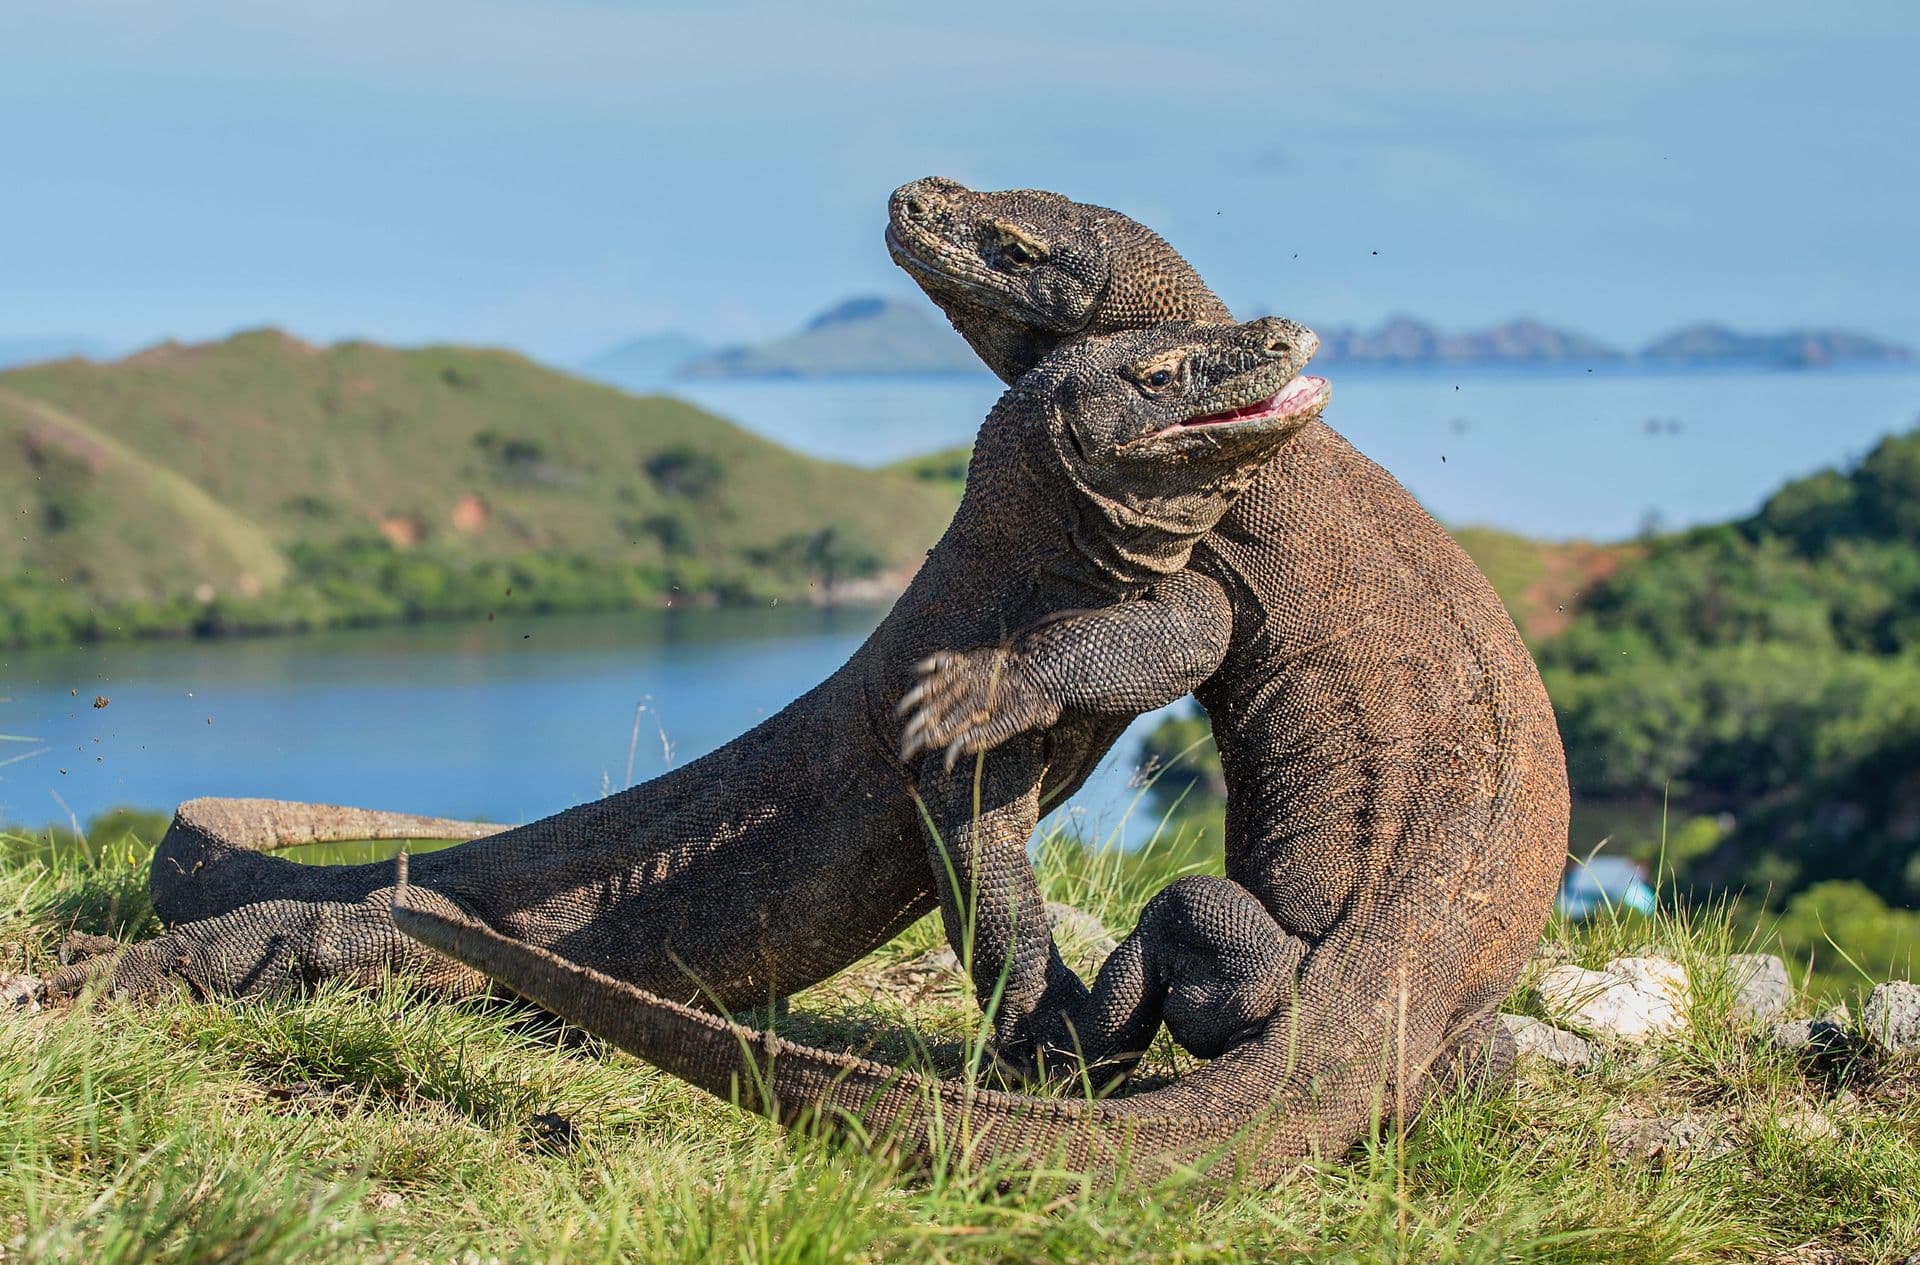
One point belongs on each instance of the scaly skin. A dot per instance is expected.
(793, 851)
(1397, 805)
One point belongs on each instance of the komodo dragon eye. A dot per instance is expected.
(1156, 379)
(1015, 249)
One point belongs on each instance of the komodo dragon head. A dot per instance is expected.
(1144, 437)
(1178, 409)
(1019, 271)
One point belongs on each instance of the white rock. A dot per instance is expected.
(1762, 990)
(1892, 1016)
(1543, 1040)
(1655, 974)
(1809, 1126)
(21, 992)
(1631, 999)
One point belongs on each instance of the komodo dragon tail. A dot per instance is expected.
(1248, 1114)
(210, 861)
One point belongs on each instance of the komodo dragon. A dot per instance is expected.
(1397, 796)
(793, 851)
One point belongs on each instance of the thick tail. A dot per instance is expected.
(1246, 1114)
(211, 860)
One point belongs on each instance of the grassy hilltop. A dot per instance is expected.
(355, 1127)
(264, 482)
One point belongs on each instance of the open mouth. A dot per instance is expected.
(1305, 394)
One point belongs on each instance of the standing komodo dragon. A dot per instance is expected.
(793, 851)
(1397, 796)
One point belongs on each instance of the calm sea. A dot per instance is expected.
(506, 721)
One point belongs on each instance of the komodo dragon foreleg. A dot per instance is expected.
(1205, 951)
(1206, 955)
(1120, 660)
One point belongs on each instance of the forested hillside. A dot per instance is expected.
(1770, 667)
(1761, 675)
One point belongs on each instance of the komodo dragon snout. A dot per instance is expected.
(1031, 251)
(1201, 397)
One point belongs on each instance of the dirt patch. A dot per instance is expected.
(402, 531)
(469, 514)
(41, 441)
(164, 354)
(1570, 571)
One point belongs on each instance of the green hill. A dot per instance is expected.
(263, 482)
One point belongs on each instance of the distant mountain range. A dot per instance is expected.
(1797, 348)
(858, 336)
(649, 355)
(1404, 340)
(872, 336)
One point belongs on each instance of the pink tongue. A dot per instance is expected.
(1298, 392)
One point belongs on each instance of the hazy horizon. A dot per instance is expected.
(561, 177)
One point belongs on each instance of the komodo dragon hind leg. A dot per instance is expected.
(213, 859)
(1478, 1059)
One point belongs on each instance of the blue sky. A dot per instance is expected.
(560, 175)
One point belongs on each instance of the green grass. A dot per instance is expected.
(393, 1127)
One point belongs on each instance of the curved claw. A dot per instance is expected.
(913, 738)
(912, 698)
(958, 710)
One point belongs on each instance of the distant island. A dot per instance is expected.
(859, 336)
(875, 336)
(648, 355)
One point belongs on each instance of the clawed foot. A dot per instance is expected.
(84, 946)
(971, 701)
